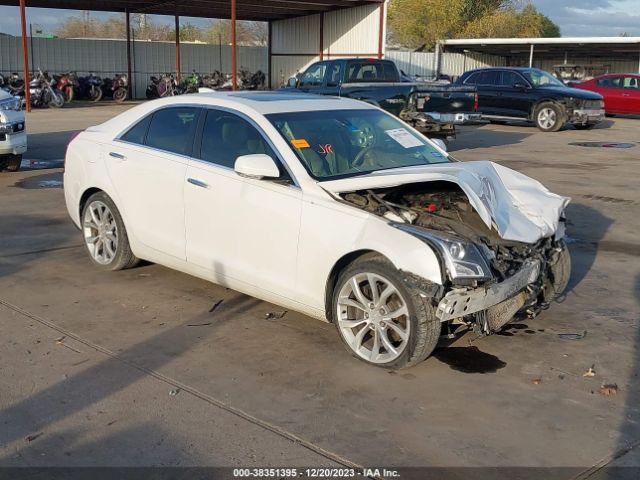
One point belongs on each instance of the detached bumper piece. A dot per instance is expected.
(587, 115)
(506, 298)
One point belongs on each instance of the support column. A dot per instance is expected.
(381, 31)
(321, 53)
(127, 17)
(531, 56)
(178, 70)
(269, 52)
(234, 57)
(25, 54)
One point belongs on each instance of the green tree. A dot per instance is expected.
(421, 23)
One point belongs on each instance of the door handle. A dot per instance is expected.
(197, 183)
(626, 94)
(117, 155)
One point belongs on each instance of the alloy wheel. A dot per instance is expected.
(547, 118)
(373, 317)
(100, 232)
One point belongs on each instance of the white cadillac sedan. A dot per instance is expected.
(328, 206)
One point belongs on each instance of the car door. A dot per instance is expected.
(513, 98)
(147, 166)
(486, 82)
(333, 78)
(612, 91)
(631, 94)
(239, 228)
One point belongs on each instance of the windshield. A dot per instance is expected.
(342, 143)
(538, 78)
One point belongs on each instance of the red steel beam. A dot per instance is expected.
(321, 35)
(178, 70)
(25, 54)
(234, 57)
(381, 31)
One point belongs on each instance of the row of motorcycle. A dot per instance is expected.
(56, 90)
(166, 85)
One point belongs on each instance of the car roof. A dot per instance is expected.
(266, 102)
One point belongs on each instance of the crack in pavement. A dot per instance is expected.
(188, 389)
(44, 250)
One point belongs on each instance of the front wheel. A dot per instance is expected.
(120, 94)
(69, 93)
(381, 316)
(56, 99)
(549, 117)
(95, 94)
(105, 235)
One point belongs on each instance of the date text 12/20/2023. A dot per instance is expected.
(315, 473)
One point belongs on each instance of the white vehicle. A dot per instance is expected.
(328, 206)
(13, 135)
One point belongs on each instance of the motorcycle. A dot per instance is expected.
(191, 83)
(43, 94)
(67, 84)
(90, 87)
(161, 87)
(120, 88)
(214, 80)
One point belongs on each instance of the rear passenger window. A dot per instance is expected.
(137, 133)
(610, 82)
(226, 136)
(509, 79)
(489, 77)
(172, 129)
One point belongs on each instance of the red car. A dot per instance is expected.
(621, 91)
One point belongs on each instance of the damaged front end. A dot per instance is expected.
(487, 280)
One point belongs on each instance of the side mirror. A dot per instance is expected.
(520, 86)
(292, 82)
(440, 143)
(257, 166)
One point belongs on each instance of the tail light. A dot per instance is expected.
(475, 102)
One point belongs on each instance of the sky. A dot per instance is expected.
(576, 18)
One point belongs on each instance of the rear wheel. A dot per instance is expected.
(382, 317)
(105, 235)
(69, 93)
(549, 117)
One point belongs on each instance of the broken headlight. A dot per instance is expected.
(461, 258)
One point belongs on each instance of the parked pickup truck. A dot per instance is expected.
(433, 109)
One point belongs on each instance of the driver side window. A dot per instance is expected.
(314, 76)
(226, 136)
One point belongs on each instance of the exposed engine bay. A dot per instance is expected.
(442, 206)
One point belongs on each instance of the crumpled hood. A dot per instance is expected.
(520, 208)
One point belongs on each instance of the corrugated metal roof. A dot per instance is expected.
(246, 9)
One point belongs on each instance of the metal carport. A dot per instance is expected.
(299, 30)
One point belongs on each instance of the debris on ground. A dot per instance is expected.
(173, 392)
(216, 305)
(608, 389)
(144, 274)
(199, 324)
(590, 373)
(572, 336)
(60, 341)
(536, 381)
(275, 315)
(31, 438)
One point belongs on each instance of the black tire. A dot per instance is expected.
(560, 273)
(424, 326)
(69, 94)
(56, 100)
(120, 95)
(124, 257)
(583, 126)
(95, 94)
(558, 114)
(11, 163)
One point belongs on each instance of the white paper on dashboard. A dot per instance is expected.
(404, 138)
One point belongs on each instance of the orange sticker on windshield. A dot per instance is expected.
(300, 143)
